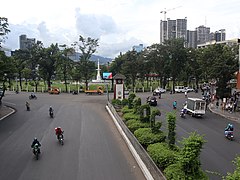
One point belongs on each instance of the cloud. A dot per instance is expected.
(94, 26)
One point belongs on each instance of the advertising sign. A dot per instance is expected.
(107, 75)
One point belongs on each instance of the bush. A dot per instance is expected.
(130, 115)
(134, 125)
(124, 102)
(125, 109)
(162, 155)
(146, 137)
(116, 102)
(175, 172)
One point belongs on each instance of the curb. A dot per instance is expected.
(12, 111)
(225, 116)
(141, 164)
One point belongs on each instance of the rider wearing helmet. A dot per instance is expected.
(35, 141)
(229, 127)
(50, 109)
(58, 132)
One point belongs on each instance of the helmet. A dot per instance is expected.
(35, 139)
(50, 106)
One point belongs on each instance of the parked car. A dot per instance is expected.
(189, 89)
(179, 89)
(152, 100)
(158, 90)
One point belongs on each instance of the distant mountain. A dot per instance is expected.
(102, 60)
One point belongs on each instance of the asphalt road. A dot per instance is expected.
(218, 152)
(93, 148)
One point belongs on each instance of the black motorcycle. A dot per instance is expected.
(229, 135)
(60, 139)
(51, 114)
(36, 151)
(32, 97)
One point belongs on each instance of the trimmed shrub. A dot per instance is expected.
(134, 125)
(124, 102)
(125, 109)
(146, 137)
(130, 115)
(162, 155)
(116, 102)
(175, 172)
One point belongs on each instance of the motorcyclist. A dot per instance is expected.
(35, 141)
(50, 110)
(174, 104)
(33, 95)
(58, 132)
(28, 105)
(229, 128)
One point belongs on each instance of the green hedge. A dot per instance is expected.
(134, 125)
(130, 115)
(125, 109)
(162, 155)
(146, 137)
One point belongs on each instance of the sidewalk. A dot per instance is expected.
(234, 116)
(5, 111)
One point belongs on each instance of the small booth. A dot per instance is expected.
(119, 86)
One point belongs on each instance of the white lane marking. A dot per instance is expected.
(8, 114)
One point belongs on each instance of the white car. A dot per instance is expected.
(158, 90)
(189, 89)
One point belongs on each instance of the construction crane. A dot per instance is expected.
(165, 12)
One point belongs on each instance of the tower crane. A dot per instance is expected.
(165, 11)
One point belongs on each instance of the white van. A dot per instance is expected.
(179, 89)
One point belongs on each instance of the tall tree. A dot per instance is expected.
(47, 63)
(87, 47)
(131, 67)
(20, 58)
(65, 64)
(7, 70)
(4, 30)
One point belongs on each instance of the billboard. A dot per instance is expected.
(107, 75)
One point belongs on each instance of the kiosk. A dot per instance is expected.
(119, 86)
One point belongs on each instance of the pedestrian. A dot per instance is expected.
(159, 95)
(217, 103)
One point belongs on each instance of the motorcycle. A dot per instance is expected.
(32, 97)
(60, 139)
(28, 107)
(51, 114)
(229, 135)
(36, 151)
(182, 114)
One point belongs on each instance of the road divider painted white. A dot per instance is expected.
(141, 164)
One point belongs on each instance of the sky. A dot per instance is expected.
(118, 24)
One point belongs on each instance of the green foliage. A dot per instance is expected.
(155, 112)
(130, 115)
(134, 125)
(162, 155)
(125, 109)
(171, 118)
(116, 102)
(190, 154)
(146, 137)
(124, 102)
(236, 174)
(136, 104)
(147, 109)
(174, 171)
(130, 100)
